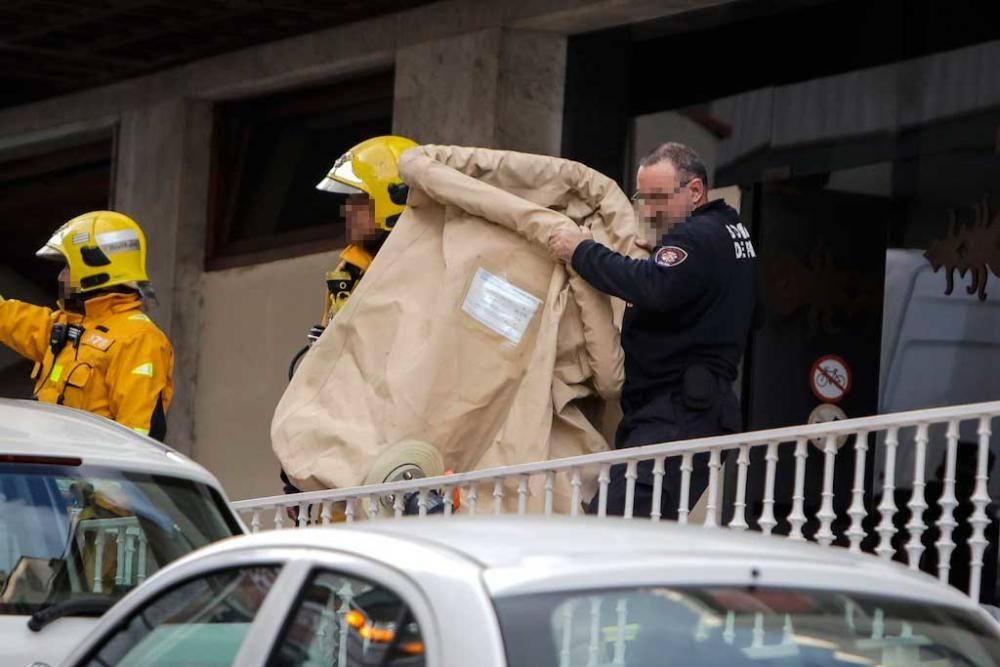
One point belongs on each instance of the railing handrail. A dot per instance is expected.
(910, 419)
(110, 523)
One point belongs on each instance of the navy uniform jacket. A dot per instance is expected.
(691, 303)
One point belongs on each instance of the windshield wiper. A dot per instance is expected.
(81, 606)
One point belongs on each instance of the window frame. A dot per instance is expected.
(240, 117)
(168, 580)
(395, 582)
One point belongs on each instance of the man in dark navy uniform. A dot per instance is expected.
(689, 311)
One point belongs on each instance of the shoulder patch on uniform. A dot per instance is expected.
(140, 317)
(670, 255)
(144, 369)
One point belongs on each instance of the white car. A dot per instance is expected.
(494, 591)
(88, 510)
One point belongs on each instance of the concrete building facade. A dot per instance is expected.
(465, 72)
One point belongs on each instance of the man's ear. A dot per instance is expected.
(698, 191)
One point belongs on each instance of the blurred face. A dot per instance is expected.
(663, 199)
(359, 211)
(64, 290)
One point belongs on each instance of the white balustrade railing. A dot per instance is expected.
(818, 505)
(131, 558)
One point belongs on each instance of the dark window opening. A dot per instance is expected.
(37, 195)
(270, 153)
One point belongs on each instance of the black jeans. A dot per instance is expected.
(668, 417)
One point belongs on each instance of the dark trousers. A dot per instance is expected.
(667, 417)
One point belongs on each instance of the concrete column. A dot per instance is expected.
(496, 88)
(162, 180)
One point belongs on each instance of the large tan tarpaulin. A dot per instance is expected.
(464, 333)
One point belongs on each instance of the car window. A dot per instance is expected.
(343, 621)
(72, 531)
(201, 622)
(740, 627)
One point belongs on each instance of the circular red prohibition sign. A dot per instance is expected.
(830, 378)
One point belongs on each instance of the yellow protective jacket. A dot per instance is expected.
(341, 282)
(121, 367)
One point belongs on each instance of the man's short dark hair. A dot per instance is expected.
(685, 160)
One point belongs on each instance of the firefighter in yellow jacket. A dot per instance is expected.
(98, 351)
(368, 174)
(376, 196)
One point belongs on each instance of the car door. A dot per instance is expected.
(271, 607)
(198, 614)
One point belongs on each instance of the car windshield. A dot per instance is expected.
(739, 627)
(68, 532)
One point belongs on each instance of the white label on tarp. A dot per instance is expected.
(500, 306)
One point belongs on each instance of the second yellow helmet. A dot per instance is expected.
(372, 167)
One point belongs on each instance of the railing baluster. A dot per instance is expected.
(826, 515)
(576, 482)
(788, 631)
(449, 501)
(498, 497)
(522, 495)
(739, 520)
(687, 467)
(143, 548)
(473, 497)
(303, 515)
(622, 610)
(917, 504)
(948, 502)
(346, 595)
(595, 632)
(656, 511)
(849, 611)
(797, 517)
(550, 485)
(758, 631)
(421, 503)
(857, 512)
(120, 563)
(255, 521)
(767, 521)
(130, 539)
(887, 508)
(714, 466)
(349, 510)
(979, 520)
(279, 517)
(701, 633)
(371, 506)
(631, 475)
(326, 513)
(99, 541)
(567, 634)
(603, 480)
(878, 624)
(729, 634)
(398, 506)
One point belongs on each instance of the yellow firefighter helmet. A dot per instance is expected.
(372, 167)
(102, 249)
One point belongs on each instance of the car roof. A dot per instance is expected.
(536, 554)
(33, 428)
